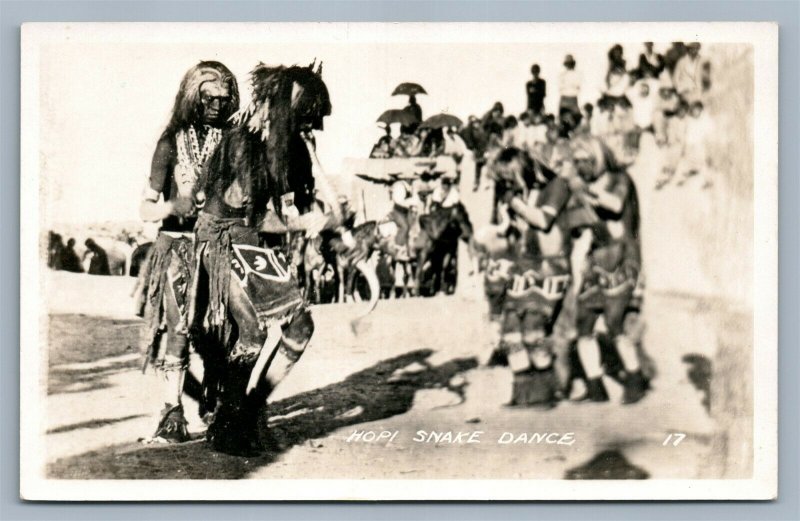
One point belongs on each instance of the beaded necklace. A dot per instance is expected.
(191, 158)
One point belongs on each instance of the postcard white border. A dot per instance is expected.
(763, 485)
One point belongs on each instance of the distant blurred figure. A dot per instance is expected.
(454, 145)
(55, 246)
(587, 114)
(665, 107)
(405, 143)
(539, 125)
(476, 140)
(688, 76)
(694, 161)
(495, 115)
(537, 90)
(569, 86)
(98, 259)
(617, 79)
(644, 107)
(650, 63)
(673, 55)
(601, 122)
(675, 142)
(510, 126)
(69, 258)
(413, 108)
(383, 148)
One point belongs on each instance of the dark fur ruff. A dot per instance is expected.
(269, 157)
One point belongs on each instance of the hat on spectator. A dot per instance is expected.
(569, 60)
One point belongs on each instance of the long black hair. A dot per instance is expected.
(187, 108)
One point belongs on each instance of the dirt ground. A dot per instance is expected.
(415, 365)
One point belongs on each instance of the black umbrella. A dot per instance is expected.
(375, 179)
(408, 89)
(397, 116)
(442, 121)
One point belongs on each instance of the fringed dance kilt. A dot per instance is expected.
(169, 265)
(612, 274)
(228, 251)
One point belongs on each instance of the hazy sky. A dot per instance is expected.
(104, 105)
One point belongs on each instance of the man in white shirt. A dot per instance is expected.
(569, 86)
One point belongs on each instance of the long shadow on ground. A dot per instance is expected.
(365, 396)
(75, 339)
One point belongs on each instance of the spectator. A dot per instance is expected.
(643, 102)
(432, 142)
(537, 90)
(454, 146)
(650, 63)
(405, 143)
(509, 132)
(569, 86)
(494, 143)
(539, 125)
(601, 123)
(98, 265)
(525, 131)
(476, 139)
(688, 76)
(673, 55)
(676, 139)
(698, 130)
(495, 115)
(617, 79)
(69, 258)
(665, 108)
(585, 126)
(383, 148)
(413, 108)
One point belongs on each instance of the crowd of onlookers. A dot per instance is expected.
(662, 94)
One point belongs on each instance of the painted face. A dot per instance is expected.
(215, 98)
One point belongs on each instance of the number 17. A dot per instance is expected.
(675, 438)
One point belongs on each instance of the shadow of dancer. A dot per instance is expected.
(377, 392)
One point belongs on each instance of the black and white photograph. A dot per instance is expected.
(432, 261)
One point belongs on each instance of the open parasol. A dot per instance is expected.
(397, 116)
(408, 89)
(442, 121)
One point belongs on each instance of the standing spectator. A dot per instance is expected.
(650, 63)
(676, 139)
(569, 86)
(537, 90)
(98, 265)
(673, 55)
(665, 108)
(413, 108)
(617, 79)
(476, 140)
(688, 76)
(698, 130)
(643, 102)
(69, 258)
(454, 146)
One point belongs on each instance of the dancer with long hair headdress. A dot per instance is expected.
(207, 97)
